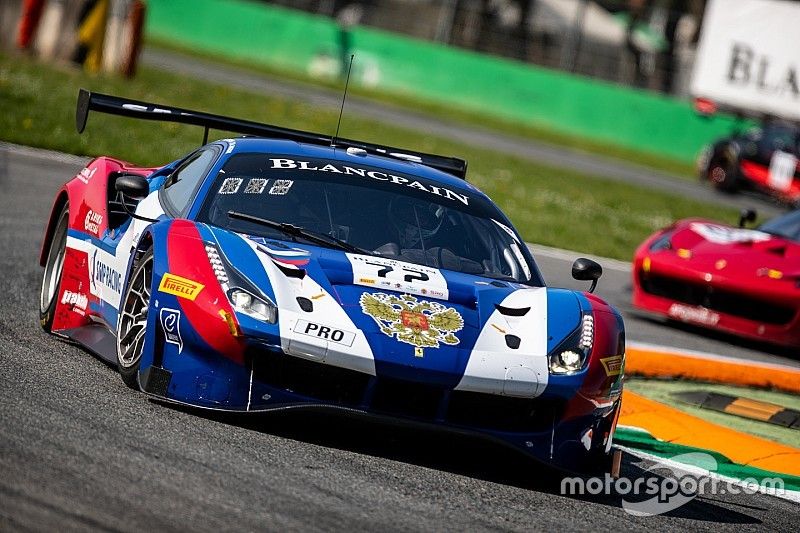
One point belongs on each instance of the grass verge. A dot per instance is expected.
(674, 167)
(661, 391)
(548, 205)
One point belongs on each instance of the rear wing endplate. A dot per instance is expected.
(115, 105)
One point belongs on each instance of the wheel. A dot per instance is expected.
(723, 176)
(53, 268)
(132, 321)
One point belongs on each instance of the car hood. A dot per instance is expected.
(404, 321)
(735, 252)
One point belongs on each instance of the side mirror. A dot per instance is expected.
(587, 270)
(747, 215)
(132, 186)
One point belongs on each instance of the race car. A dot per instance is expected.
(763, 158)
(732, 279)
(287, 270)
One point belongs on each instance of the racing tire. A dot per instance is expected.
(132, 321)
(722, 176)
(53, 271)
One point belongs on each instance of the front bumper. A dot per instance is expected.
(730, 309)
(572, 434)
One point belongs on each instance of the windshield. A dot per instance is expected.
(787, 226)
(392, 215)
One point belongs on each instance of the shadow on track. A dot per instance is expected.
(458, 454)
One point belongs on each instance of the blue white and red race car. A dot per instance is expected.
(290, 269)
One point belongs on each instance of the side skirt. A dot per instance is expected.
(97, 339)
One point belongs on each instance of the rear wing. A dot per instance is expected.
(115, 105)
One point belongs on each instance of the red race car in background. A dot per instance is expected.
(736, 280)
(764, 158)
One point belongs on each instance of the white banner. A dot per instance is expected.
(749, 56)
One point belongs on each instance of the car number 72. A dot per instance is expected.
(413, 275)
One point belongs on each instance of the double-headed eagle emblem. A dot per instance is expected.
(421, 323)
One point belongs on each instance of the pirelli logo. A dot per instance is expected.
(181, 287)
(612, 365)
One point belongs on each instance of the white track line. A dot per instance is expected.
(791, 495)
(570, 255)
(48, 155)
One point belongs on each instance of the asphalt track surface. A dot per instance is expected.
(80, 451)
(556, 156)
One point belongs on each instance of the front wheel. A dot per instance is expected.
(53, 268)
(132, 321)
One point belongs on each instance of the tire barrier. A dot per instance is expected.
(99, 35)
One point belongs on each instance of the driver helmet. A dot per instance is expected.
(414, 220)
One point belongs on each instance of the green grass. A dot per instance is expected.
(677, 168)
(661, 391)
(548, 205)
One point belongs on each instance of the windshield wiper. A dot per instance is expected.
(297, 231)
(499, 277)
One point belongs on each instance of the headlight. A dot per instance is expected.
(217, 265)
(252, 306)
(243, 295)
(571, 355)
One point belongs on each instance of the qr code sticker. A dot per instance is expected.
(255, 186)
(230, 186)
(281, 187)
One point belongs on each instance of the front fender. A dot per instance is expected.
(192, 330)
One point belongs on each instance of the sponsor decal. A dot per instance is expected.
(181, 287)
(398, 276)
(507, 230)
(727, 235)
(171, 324)
(85, 175)
(420, 323)
(231, 145)
(103, 274)
(687, 313)
(284, 256)
(291, 164)
(230, 186)
(328, 333)
(255, 186)
(153, 109)
(92, 222)
(612, 365)
(77, 300)
(521, 260)
(281, 187)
